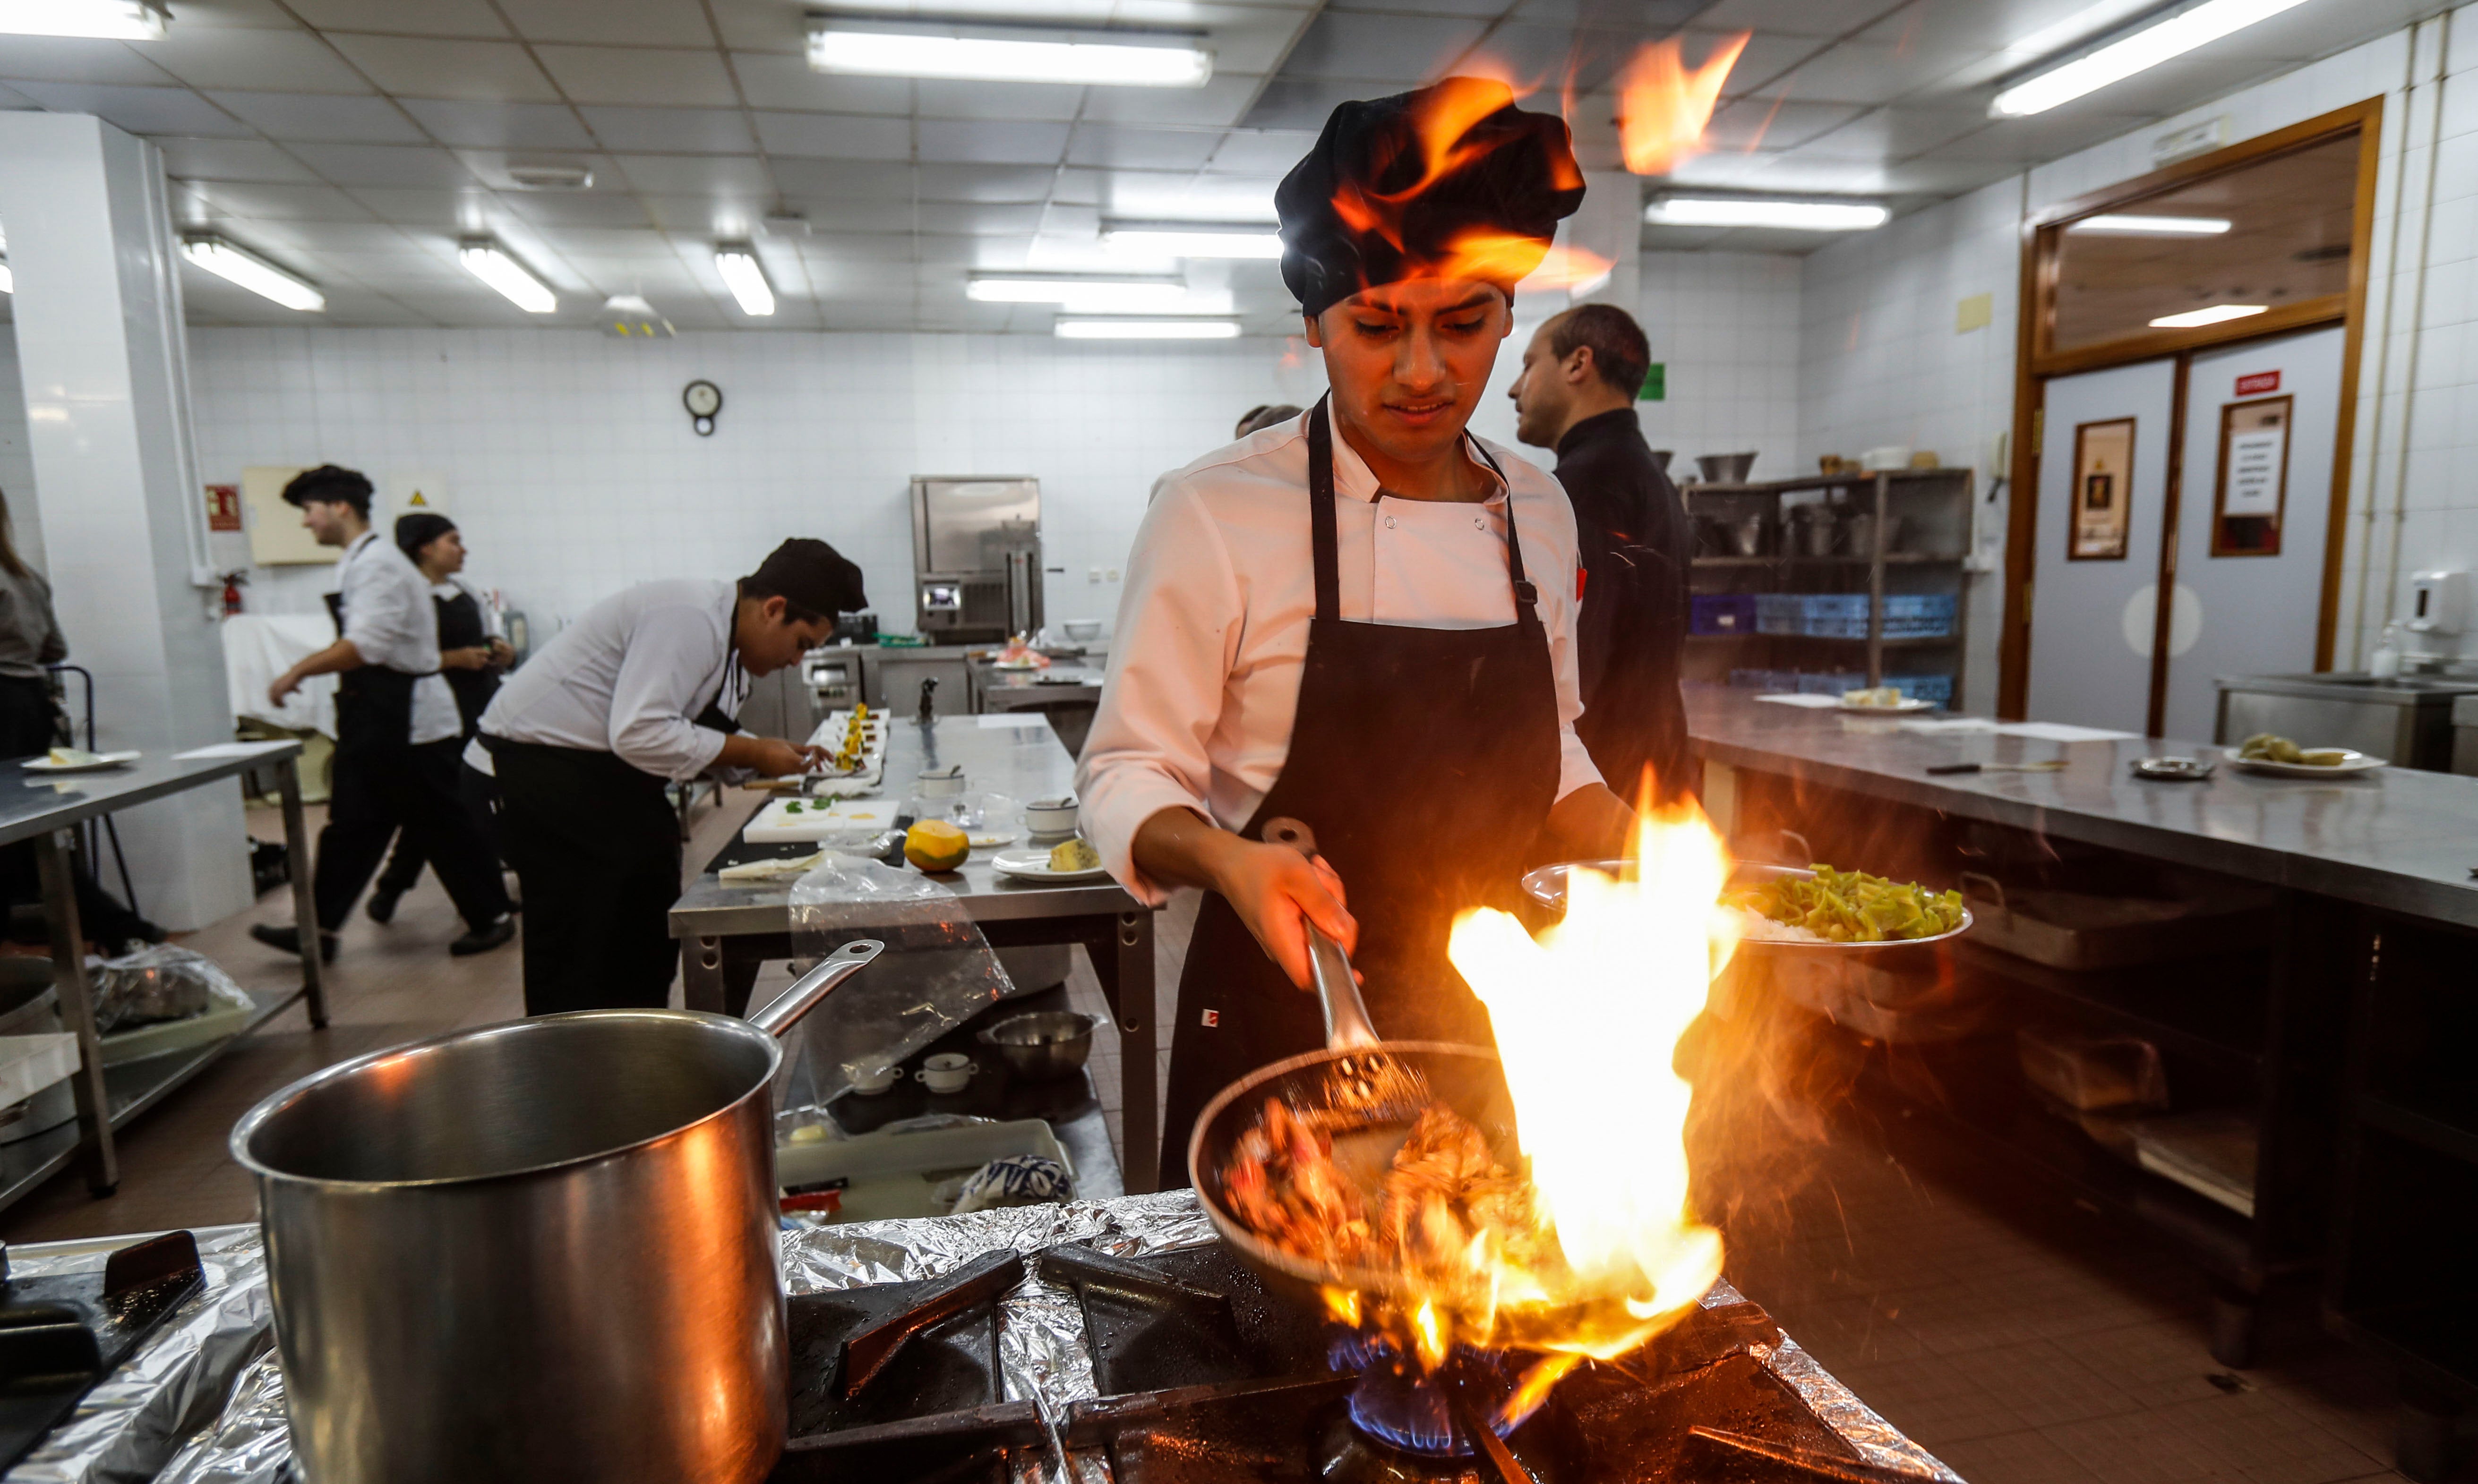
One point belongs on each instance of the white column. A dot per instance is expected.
(105, 366)
(1610, 223)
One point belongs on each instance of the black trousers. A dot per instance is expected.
(404, 864)
(596, 850)
(379, 790)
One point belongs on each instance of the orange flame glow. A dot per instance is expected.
(1663, 103)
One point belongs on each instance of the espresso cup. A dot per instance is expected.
(948, 1071)
(874, 1081)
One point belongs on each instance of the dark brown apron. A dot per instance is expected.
(1425, 760)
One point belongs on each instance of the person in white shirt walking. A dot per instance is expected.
(396, 730)
(640, 691)
(1363, 619)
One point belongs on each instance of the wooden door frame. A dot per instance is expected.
(2034, 363)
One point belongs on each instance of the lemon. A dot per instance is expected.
(934, 845)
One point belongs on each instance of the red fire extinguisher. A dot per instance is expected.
(233, 584)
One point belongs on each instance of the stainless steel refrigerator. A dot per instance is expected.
(976, 557)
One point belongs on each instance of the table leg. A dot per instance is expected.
(703, 978)
(305, 912)
(1135, 1007)
(77, 1008)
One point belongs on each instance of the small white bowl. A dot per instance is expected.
(874, 1082)
(1051, 815)
(948, 1071)
(1081, 629)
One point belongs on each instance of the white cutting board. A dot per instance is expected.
(773, 825)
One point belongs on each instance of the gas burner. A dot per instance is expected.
(1426, 1413)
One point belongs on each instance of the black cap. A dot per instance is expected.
(1451, 181)
(332, 483)
(809, 575)
(420, 529)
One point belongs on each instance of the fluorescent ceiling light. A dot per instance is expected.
(1085, 294)
(1193, 239)
(485, 261)
(2153, 226)
(2216, 315)
(944, 51)
(1147, 329)
(1748, 212)
(745, 278)
(253, 273)
(2197, 25)
(113, 21)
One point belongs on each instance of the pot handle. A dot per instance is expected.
(1346, 1014)
(784, 1010)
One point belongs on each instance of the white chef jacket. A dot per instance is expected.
(1212, 632)
(390, 621)
(628, 677)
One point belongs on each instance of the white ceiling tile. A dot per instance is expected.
(78, 59)
(830, 249)
(231, 159)
(1217, 104)
(11, 98)
(813, 180)
(438, 210)
(611, 22)
(277, 203)
(246, 15)
(1051, 102)
(1078, 186)
(1773, 123)
(835, 135)
(738, 176)
(325, 120)
(500, 125)
(995, 184)
(139, 109)
(704, 216)
(1795, 18)
(954, 142)
(384, 164)
(668, 131)
(225, 57)
(1142, 149)
(773, 82)
(1207, 197)
(576, 208)
(1261, 151)
(1407, 47)
(1762, 65)
(1861, 72)
(640, 75)
(1895, 133)
(492, 166)
(403, 17)
(847, 216)
(426, 67)
(951, 217)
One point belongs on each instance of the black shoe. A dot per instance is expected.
(289, 939)
(482, 939)
(382, 904)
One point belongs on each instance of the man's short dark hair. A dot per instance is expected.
(1265, 415)
(816, 582)
(333, 484)
(1620, 353)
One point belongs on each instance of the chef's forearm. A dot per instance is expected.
(335, 658)
(1591, 824)
(1181, 847)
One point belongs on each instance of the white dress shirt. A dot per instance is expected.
(391, 622)
(628, 677)
(1212, 633)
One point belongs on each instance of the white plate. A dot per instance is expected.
(1034, 865)
(102, 761)
(2350, 763)
(1015, 665)
(1907, 705)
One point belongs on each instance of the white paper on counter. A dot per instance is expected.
(230, 749)
(1813, 703)
(1946, 726)
(1012, 721)
(2060, 732)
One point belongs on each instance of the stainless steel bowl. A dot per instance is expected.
(1725, 468)
(1040, 1044)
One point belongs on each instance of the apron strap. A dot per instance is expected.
(1327, 543)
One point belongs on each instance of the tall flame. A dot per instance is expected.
(1587, 1019)
(1663, 103)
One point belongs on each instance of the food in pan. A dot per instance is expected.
(934, 845)
(2264, 747)
(1075, 854)
(1852, 906)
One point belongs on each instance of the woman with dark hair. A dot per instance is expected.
(30, 638)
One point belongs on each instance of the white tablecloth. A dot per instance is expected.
(258, 648)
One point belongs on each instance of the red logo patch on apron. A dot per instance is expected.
(1212, 1019)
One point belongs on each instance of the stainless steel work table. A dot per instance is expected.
(730, 929)
(45, 808)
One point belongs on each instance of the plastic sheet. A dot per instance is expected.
(158, 983)
(937, 972)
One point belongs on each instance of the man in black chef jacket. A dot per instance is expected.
(640, 691)
(396, 732)
(1576, 395)
(470, 653)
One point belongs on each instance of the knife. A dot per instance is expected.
(2051, 765)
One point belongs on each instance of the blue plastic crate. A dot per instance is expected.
(1721, 613)
(1781, 612)
(1831, 681)
(1924, 687)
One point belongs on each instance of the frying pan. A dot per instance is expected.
(1355, 1070)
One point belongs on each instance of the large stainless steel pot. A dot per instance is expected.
(535, 1251)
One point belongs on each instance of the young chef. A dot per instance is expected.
(472, 653)
(1362, 618)
(639, 691)
(396, 733)
(1575, 395)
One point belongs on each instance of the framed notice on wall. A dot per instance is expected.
(2253, 489)
(2103, 493)
(276, 536)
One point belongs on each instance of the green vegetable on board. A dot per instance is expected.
(1851, 906)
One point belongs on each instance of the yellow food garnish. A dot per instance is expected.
(1075, 854)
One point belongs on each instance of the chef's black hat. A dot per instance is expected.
(416, 529)
(332, 483)
(809, 575)
(1452, 181)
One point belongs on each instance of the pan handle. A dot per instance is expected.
(784, 1010)
(1346, 1014)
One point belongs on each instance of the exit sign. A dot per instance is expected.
(2259, 383)
(1655, 383)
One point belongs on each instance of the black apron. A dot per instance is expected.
(1426, 762)
(461, 627)
(373, 703)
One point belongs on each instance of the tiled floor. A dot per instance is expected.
(2023, 1339)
